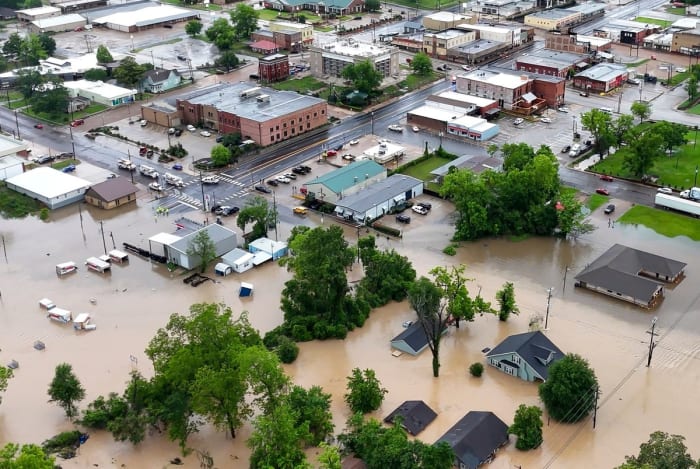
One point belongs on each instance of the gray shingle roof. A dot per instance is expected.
(416, 415)
(414, 336)
(534, 348)
(475, 437)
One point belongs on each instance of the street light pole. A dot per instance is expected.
(372, 114)
(546, 317)
(17, 124)
(652, 344)
(72, 142)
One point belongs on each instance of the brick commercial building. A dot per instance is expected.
(577, 43)
(602, 78)
(686, 42)
(555, 63)
(261, 114)
(273, 68)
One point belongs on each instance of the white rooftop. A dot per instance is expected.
(497, 79)
(433, 112)
(290, 25)
(59, 20)
(143, 16)
(267, 245)
(594, 41)
(485, 28)
(686, 23)
(445, 16)
(166, 239)
(354, 48)
(48, 182)
(10, 146)
(39, 11)
(103, 89)
(466, 98)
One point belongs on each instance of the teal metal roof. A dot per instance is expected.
(342, 4)
(349, 175)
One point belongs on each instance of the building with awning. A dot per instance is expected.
(452, 121)
(379, 199)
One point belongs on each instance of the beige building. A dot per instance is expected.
(553, 20)
(33, 14)
(443, 20)
(686, 42)
(437, 44)
(331, 59)
(306, 30)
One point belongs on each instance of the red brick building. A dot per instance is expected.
(273, 68)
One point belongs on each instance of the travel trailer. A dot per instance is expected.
(60, 315)
(118, 256)
(66, 268)
(82, 323)
(98, 265)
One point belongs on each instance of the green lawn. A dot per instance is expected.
(647, 20)
(300, 85)
(663, 222)
(675, 11)
(694, 110)
(637, 63)
(596, 200)
(422, 170)
(426, 4)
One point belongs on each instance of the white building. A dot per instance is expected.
(51, 187)
(33, 14)
(99, 92)
(174, 248)
(143, 18)
(379, 199)
(57, 24)
(384, 152)
(332, 58)
(11, 164)
(494, 33)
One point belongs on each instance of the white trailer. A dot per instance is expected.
(677, 203)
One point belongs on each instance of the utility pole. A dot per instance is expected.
(546, 317)
(595, 407)
(201, 185)
(372, 115)
(104, 243)
(72, 142)
(652, 344)
(566, 271)
(19, 137)
(274, 211)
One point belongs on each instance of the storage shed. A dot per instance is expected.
(239, 260)
(266, 248)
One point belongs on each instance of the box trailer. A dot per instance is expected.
(98, 265)
(677, 203)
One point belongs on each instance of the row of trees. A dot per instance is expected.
(524, 198)
(28, 50)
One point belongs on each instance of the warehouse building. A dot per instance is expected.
(602, 78)
(442, 20)
(51, 187)
(553, 20)
(555, 63)
(40, 13)
(147, 16)
(379, 198)
(99, 92)
(452, 122)
(345, 181)
(11, 152)
(57, 24)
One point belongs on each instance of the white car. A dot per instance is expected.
(563, 109)
(665, 190)
(191, 128)
(395, 128)
(546, 120)
(171, 130)
(416, 129)
(354, 142)
(155, 187)
(210, 180)
(290, 175)
(283, 180)
(518, 121)
(143, 123)
(205, 133)
(420, 210)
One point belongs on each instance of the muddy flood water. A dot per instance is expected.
(132, 302)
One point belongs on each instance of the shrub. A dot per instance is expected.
(450, 250)
(287, 350)
(387, 230)
(44, 214)
(476, 369)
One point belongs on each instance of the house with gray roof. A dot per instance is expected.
(631, 275)
(527, 356)
(415, 416)
(343, 182)
(379, 199)
(477, 164)
(174, 247)
(476, 438)
(413, 340)
(160, 80)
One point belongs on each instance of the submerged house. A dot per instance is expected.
(476, 438)
(527, 356)
(415, 416)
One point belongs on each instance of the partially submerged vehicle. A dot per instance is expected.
(60, 315)
(97, 265)
(82, 323)
(66, 268)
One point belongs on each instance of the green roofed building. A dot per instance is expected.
(345, 181)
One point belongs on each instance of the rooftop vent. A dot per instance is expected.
(263, 98)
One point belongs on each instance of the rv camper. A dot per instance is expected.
(46, 304)
(82, 323)
(60, 315)
(118, 256)
(66, 268)
(98, 265)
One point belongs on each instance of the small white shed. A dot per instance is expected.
(239, 260)
(222, 269)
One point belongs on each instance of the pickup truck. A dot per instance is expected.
(174, 180)
(126, 164)
(148, 171)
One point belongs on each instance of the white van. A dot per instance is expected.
(174, 180)
(606, 110)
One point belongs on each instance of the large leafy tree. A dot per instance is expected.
(365, 392)
(202, 247)
(13, 44)
(245, 20)
(5, 375)
(599, 124)
(316, 301)
(32, 50)
(506, 301)
(48, 44)
(277, 439)
(258, 212)
(52, 100)
(425, 299)
(29, 83)
(12, 456)
(129, 72)
(527, 426)
(221, 33)
(65, 389)
(96, 74)
(220, 155)
(570, 390)
(621, 127)
(662, 451)
(372, 5)
(193, 28)
(672, 134)
(329, 457)
(691, 86)
(645, 146)
(573, 220)
(228, 60)
(421, 64)
(103, 55)
(641, 110)
(387, 275)
(312, 408)
(365, 78)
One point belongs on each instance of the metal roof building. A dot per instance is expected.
(51, 187)
(57, 24)
(345, 181)
(379, 199)
(149, 16)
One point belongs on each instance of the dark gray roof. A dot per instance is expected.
(618, 269)
(475, 163)
(159, 75)
(112, 189)
(414, 336)
(475, 437)
(216, 233)
(416, 415)
(379, 192)
(534, 348)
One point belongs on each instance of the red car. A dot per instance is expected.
(605, 177)
(38, 126)
(77, 122)
(602, 191)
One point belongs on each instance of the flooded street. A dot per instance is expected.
(132, 302)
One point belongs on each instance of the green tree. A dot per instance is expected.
(691, 86)
(644, 148)
(599, 124)
(13, 45)
(5, 375)
(329, 457)
(372, 5)
(202, 247)
(48, 44)
(672, 134)
(527, 426)
(222, 34)
(570, 389)
(26, 457)
(65, 389)
(276, 441)
(506, 301)
(220, 155)
(29, 82)
(387, 276)
(52, 101)
(245, 20)
(365, 392)
(95, 74)
(364, 76)
(458, 304)
(130, 73)
(312, 408)
(103, 55)
(421, 63)
(258, 212)
(573, 220)
(315, 301)
(193, 28)
(228, 60)
(662, 451)
(621, 126)
(425, 299)
(32, 50)
(641, 110)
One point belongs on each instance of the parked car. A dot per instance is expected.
(425, 205)
(331, 153)
(566, 149)
(210, 180)
(583, 93)
(191, 128)
(563, 109)
(182, 57)
(38, 126)
(518, 121)
(300, 210)
(602, 191)
(290, 175)
(665, 190)
(77, 122)
(44, 159)
(273, 183)
(610, 208)
(205, 133)
(306, 169)
(64, 155)
(226, 210)
(283, 180)
(219, 138)
(298, 170)
(357, 18)
(111, 176)
(155, 187)
(143, 122)
(396, 128)
(178, 132)
(605, 177)
(403, 219)
(262, 189)
(69, 169)
(575, 150)
(171, 130)
(177, 167)
(354, 142)
(546, 120)
(415, 128)
(420, 210)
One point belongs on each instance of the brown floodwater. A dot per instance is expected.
(132, 302)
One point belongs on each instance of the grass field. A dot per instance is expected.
(675, 11)
(647, 20)
(596, 200)
(300, 85)
(663, 222)
(694, 110)
(422, 170)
